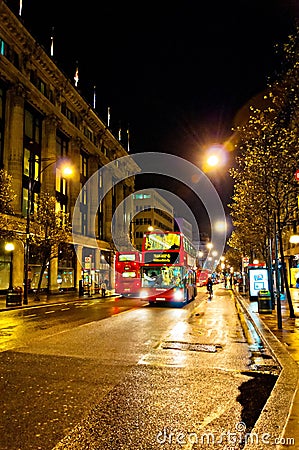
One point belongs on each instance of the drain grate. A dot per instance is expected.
(195, 347)
(272, 369)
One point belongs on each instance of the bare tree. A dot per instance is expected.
(49, 229)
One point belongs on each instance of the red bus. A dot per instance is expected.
(168, 268)
(202, 276)
(127, 273)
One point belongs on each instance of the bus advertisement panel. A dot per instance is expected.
(167, 270)
(127, 273)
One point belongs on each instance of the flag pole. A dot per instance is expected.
(128, 135)
(94, 97)
(76, 77)
(52, 43)
(108, 121)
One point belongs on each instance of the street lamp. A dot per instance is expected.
(215, 156)
(67, 170)
(200, 255)
(209, 245)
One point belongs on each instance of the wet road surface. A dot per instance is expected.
(145, 379)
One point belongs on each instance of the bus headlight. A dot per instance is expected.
(143, 294)
(178, 295)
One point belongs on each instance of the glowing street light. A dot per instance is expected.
(209, 245)
(215, 156)
(213, 160)
(9, 247)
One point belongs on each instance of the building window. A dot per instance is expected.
(100, 202)
(2, 120)
(31, 157)
(83, 192)
(61, 182)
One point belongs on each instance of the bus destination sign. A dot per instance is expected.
(161, 257)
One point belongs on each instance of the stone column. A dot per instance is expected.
(14, 131)
(74, 182)
(48, 156)
(53, 286)
(18, 264)
(93, 196)
(78, 249)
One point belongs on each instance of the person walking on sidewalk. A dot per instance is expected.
(103, 288)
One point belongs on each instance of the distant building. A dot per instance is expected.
(150, 210)
(185, 227)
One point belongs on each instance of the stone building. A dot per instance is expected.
(43, 120)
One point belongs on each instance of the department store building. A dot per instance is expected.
(44, 119)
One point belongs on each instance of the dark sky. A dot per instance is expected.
(175, 72)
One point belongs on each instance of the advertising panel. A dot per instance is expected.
(294, 276)
(258, 279)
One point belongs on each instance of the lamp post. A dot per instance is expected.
(31, 184)
(9, 247)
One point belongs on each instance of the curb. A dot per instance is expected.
(270, 427)
(53, 301)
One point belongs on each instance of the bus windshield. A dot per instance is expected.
(124, 257)
(162, 277)
(162, 241)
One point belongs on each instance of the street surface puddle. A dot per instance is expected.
(195, 347)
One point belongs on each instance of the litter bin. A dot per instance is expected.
(14, 296)
(81, 288)
(264, 302)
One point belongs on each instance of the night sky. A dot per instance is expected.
(175, 73)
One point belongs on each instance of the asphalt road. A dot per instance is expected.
(121, 375)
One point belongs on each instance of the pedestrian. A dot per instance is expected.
(103, 288)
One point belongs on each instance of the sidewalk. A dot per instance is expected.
(284, 343)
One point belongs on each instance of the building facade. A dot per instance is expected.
(43, 120)
(151, 209)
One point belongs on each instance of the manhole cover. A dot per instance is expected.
(195, 347)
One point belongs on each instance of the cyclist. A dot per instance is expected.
(210, 287)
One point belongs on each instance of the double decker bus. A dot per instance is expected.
(202, 276)
(127, 273)
(168, 268)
